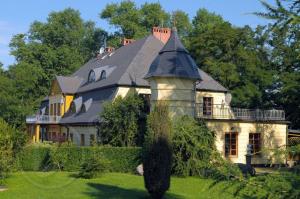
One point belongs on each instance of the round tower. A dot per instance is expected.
(172, 77)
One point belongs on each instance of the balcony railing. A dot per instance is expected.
(43, 119)
(220, 111)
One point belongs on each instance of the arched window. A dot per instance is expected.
(103, 75)
(92, 76)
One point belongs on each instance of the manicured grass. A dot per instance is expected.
(45, 185)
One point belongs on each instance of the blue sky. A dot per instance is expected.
(16, 16)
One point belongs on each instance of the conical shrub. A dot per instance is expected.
(157, 160)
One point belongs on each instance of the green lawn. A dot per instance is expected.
(40, 185)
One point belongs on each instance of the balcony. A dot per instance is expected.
(43, 119)
(221, 111)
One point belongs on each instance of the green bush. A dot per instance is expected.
(276, 186)
(195, 153)
(34, 158)
(193, 145)
(6, 149)
(92, 167)
(119, 126)
(122, 159)
(70, 158)
(223, 169)
(157, 160)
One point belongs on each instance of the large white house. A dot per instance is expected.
(157, 67)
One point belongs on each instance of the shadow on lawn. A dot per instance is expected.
(114, 192)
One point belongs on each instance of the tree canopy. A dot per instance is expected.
(231, 55)
(284, 40)
(136, 22)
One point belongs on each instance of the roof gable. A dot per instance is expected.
(55, 88)
(69, 85)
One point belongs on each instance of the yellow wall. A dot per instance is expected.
(272, 135)
(177, 90)
(56, 96)
(218, 97)
(178, 93)
(76, 131)
(68, 100)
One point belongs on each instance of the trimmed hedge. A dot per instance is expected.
(33, 159)
(38, 158)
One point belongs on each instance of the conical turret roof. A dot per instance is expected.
(173, 61)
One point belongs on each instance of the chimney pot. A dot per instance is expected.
(127, 41)
(109, 49)
(163, 34)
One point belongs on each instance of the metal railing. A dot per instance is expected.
(221, 111)
(43, 119)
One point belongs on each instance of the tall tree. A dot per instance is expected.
(58, 46)
(283, 15)
(284, 40)
(135, 22)
(126, 17)
(182, 22)
(230, 55)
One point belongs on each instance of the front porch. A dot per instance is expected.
(46, 133)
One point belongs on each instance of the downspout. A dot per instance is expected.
(195, 99)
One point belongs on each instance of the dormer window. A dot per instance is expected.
(103, 75)
(92, 76)
(73, 108)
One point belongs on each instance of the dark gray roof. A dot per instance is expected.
(69, 84)
(173, 61)
(94, 104)
(208, 83)
(129, 65)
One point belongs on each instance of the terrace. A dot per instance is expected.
(221, 111)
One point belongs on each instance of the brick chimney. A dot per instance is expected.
(103, 51)
(109, 49)
(163, 34)
(126, 41)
